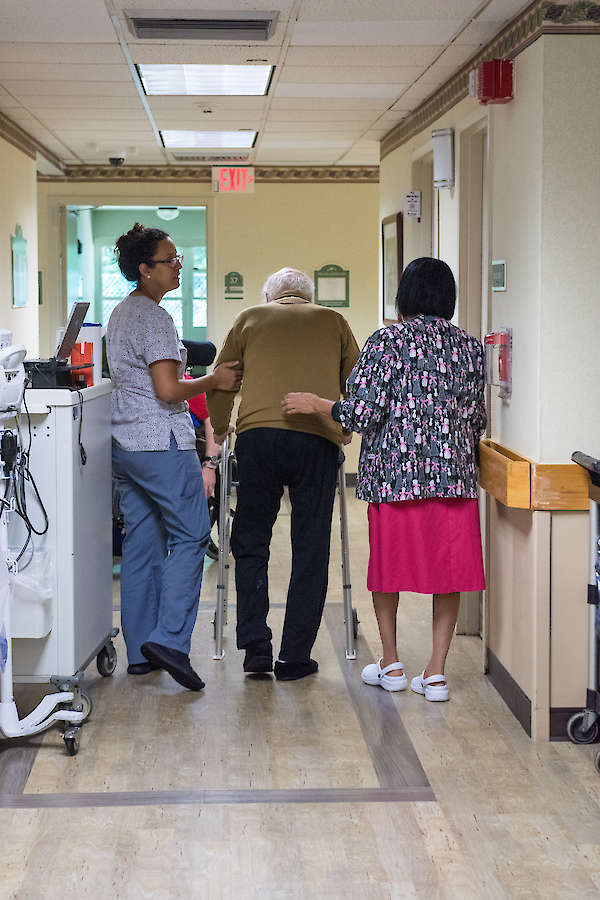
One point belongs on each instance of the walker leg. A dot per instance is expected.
(349, 618)
(223, 560)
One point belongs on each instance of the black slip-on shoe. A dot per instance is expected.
(176, 663)
(259, 657)
(143, 668)
(292, 671)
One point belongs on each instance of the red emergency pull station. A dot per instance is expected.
(498, 361)
(493, 81)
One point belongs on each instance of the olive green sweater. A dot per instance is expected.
(285, 345)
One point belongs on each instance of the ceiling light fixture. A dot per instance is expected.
(204, 80)
(208, 139)
(168, 213)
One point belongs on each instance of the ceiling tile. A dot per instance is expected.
(502, 10)
(478, 33)
(44, 102)
(30, 71)
(89, 89)
(313, 141)
(345, 91)
(457, 54)
(353, 129)
(198, 52)
(386, 10)
(339, 103)
(319, 115)
(159, 104)
(62, 21)
(349, 74)
(367, 33)
(361, 56)
(60, 53)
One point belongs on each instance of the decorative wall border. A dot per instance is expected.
(576, 17)
(15, 135)
(264, 174)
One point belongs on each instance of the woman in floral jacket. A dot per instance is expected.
(416, 395)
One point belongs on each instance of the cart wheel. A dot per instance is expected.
(107, 660)
(355, 623)
(71, 739)
(597, 762)
(576, 732)
(87, 705)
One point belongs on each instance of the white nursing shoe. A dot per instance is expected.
(427, 687)
(374, 674)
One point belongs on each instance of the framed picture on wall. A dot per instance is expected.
(391, 255)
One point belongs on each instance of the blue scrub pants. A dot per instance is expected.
(161, 494)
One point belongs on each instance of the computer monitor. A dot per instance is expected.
(78, 314)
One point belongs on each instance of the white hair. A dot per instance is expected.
(289, 282)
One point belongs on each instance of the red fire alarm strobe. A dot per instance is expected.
(493, 81)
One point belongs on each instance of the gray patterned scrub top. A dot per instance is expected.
(139, 333)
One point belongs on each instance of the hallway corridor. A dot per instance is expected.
(319, 788)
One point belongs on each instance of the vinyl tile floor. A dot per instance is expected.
(322, 788)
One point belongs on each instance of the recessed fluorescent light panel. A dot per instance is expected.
(205, 80)
(208, 139)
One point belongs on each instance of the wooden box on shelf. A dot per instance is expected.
(505, 474)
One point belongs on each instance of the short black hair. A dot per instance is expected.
(136, 246)
(427, 287)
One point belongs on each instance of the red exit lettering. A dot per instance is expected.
(234, 179)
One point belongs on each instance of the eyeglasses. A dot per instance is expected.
(172, 261)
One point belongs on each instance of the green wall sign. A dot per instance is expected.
(332, 286)
(234, 286)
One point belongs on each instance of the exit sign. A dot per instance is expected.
(233, 179)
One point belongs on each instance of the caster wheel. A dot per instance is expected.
(71, 738)
(577, 734)
(87, 705)
(106, 661)
(355, 623)
(597, 762)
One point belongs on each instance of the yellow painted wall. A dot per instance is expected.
(300, 225)
(18, 206)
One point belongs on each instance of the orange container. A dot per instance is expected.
(82, 355)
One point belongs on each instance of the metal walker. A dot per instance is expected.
(227, 482)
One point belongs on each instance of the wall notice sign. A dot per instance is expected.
(498, 274)
(234, 286)
(412, 204)
(233, 179)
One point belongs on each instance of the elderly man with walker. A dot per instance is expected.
(287, 341)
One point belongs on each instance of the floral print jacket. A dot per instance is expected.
(416, 395)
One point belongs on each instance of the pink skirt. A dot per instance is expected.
(425, 546)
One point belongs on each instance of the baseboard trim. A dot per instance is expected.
(515, 698)
(559, 716)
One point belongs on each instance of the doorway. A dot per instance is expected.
(92, 272)
(473, 307)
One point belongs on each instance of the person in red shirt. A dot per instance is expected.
(199, 413)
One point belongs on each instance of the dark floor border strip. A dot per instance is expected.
(559, 716)
(513, 695)
(391, 750)
(217, 797)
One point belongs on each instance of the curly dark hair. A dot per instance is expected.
(137, 246)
